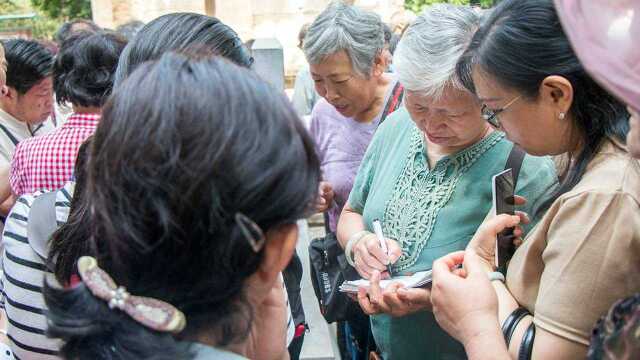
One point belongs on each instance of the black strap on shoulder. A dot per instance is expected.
(511, 322)
(42, 223)
(9, 135)
(526, 346)
(394, 101)
(514, 162)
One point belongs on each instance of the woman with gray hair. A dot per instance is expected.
(427, 177)
(344, 47)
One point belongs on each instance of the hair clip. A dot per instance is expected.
(251, 231)
(152, 313)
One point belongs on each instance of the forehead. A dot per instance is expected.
(487, 89)
(334, 64)
(451, 98)
(43, 85)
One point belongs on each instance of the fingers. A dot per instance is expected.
(519, 200)
(443, 267)
(417, 296)
(365, 304)
(395, 251)
(371, 253)
(373, 247)
(524, 217)
(496, 225)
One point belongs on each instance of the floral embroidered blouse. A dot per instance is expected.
(432, 212)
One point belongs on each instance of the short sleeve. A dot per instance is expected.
(366, 173)
(590, 261)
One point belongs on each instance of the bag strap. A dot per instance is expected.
(514, 162)
(42, 223)
(394, 101)
(9, 135)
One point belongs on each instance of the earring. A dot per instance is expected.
(561, 116)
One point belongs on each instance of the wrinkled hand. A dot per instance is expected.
(394, 300)
(464, 302)
(325, 196)
(268, 337)
(369, 257)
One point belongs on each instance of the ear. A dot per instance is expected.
(557, 92)
(10, 93)
(379, 65)
(278, 249)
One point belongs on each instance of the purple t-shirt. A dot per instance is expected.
(341, 143)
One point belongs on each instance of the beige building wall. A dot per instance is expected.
(281, 19)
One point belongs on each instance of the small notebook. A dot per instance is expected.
(419, 279)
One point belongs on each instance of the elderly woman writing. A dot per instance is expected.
(427, 177)
(344, 47)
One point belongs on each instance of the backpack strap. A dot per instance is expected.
(394, 101)
(514, 162)
(9, 135)
(42, 223)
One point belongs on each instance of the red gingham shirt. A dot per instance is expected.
(46, 162)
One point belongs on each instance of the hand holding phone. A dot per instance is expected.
(504, 203)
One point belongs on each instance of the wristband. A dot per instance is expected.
(495, 275)
(511, 322)
(526, 346)
(353, 239)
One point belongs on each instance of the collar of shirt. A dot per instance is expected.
(14, 125)
(82, 120)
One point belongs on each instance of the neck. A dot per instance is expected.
(377, 103)
(9, 111)
(78, 109)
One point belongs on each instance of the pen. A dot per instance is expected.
(377, 228)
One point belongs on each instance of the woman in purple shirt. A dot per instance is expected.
(344, 48)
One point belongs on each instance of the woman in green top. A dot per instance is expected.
(427, 177)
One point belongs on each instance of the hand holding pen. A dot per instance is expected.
(369, 255)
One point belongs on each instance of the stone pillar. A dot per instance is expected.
(210, 7)
(269, 61)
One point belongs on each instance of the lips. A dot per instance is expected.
(340, 107)
(436, 138)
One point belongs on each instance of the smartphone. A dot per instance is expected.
(504, 203)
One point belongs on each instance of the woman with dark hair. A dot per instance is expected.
(583, 255)
(180, 32)
(83, 77)
(177, 212)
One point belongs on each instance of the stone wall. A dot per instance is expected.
(252, 19)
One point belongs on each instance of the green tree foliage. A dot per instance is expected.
(417, 5)
(64, 9)
(50, 14)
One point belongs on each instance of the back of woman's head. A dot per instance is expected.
(519, 45)
(183, 147)
(182, 32)
(85, 67)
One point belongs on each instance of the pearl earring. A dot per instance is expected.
(561, 116)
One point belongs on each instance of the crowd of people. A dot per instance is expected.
(151, 184)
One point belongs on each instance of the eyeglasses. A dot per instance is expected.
(492, 115)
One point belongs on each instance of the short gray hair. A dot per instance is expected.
(426, 57)
(344, 27)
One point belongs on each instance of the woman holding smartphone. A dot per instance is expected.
(582, 255)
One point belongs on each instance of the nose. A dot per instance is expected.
(432, 120)
(331, 93)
